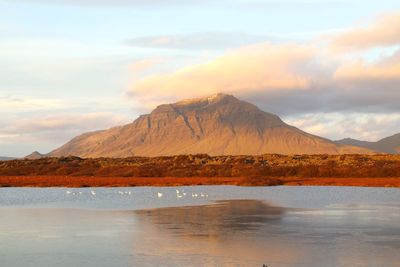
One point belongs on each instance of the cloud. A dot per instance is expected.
(344, 86)
(53, 130)
(28, 124)
(201, 40)
(17, 104)
(181, 3)
(364, 126)
(143, 65)
(327, 93)
(385, 70)
(252, 68)
(285, 78)
(55, 66)
(108, 3)
(66, 122)
(384, 32)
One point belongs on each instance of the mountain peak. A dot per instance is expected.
(200, 103)
(35, 155)
(212, 99)
(219, 124)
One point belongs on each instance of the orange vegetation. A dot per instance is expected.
(369, 170)
(68, 181)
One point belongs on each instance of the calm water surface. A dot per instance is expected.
(222, 226)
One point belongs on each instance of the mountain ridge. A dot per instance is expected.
(219, 124)
(390, 144)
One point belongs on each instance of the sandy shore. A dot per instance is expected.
(72, 181)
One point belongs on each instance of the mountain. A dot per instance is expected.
(35, 155)
(389, 144)
(6, 158)
(216, 125)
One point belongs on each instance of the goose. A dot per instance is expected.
(159, 194)
(92, 192)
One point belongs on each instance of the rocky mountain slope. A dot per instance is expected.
(216, 125)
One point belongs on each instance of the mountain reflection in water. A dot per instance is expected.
(253, 233)
(220, 220)
(223, 234)
(226, 233)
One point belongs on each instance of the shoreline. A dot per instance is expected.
(86, 181)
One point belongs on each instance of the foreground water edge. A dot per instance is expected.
(200, 226)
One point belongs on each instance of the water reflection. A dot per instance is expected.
(252, 233)
(227, 233)
(220, 220)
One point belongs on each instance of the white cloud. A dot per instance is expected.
(54, 129)
(363, 126)
(174, 3)
(110, 3)
(15, 104)
(146, 64)
(199, 40)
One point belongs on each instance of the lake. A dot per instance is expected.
(200, 226)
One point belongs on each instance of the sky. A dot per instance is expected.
(329, 67)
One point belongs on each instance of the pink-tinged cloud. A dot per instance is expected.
(145, 64)
(251, 68)
(57, 127)
(385, 70)
(285, 73)
(335, 95)
(384, 32)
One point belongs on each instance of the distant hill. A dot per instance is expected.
(389, 144)
(6, 158)
(35, 155)
(216, 125)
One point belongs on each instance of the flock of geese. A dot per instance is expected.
(93, 193)
(179, 194)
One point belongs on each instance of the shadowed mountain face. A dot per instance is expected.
(216, 125)
(389, 144)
